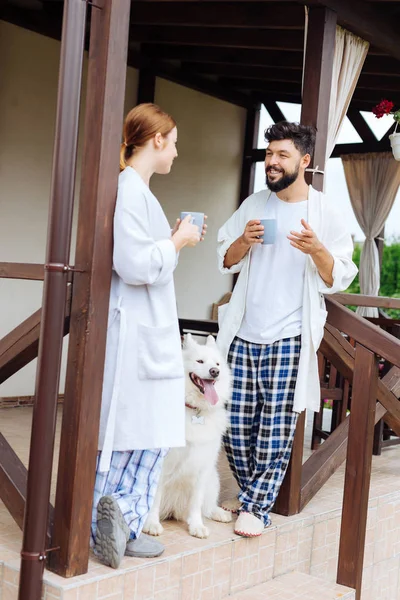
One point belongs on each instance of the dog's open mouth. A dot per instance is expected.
(206, 387)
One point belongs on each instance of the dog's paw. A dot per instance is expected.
(199, 530)
(153, 528)
(221, 515)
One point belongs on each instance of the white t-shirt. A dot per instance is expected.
(276, 279)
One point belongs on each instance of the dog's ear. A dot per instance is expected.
(188, 341)
(210, 341)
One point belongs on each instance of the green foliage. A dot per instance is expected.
(390, 274)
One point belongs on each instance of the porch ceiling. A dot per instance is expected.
(242, 51)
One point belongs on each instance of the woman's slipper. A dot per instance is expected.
(232, 505)
(248, 525)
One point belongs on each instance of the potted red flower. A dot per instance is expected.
(385, 107)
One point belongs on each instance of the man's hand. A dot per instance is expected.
(306, 241)
(253, 233)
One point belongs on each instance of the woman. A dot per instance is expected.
(142, 411)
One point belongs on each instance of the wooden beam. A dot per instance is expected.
(34, 272)
(374, 65)
(269, 15)
(250, 140)
(13, 476)
(243, 56)
(368, 23)
(31, 271)
(358, 470)
(318, 69)
(262, 85)
(364, 300)
(146, 86)
(274, 111)
(214, 36)
(246, 72)
(13, 479)
(190, 80)
(361, 148)
(378, 83)
(360, 125)
(20, 346)
(89, 313)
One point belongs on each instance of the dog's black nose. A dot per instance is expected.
(214, 373)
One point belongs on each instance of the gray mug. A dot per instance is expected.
(197, 219)
(270, 226)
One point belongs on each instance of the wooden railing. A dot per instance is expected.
(371, 399)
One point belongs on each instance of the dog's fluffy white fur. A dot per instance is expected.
(189, 485)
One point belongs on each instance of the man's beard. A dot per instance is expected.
(284, 182)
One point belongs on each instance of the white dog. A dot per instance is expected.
(189, 483)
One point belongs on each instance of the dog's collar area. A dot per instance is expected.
(196, 408)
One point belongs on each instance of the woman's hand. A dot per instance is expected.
(186, 235)
(203, 233)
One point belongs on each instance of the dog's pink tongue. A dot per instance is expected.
(209, 392)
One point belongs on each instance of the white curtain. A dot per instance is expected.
(350, 54)
(373, 181)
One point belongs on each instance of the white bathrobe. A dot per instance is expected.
(331, 230)
(143, 390)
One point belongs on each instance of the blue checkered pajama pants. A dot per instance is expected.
(259, 439)
(132, 480)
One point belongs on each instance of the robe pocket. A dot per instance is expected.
(159, 352)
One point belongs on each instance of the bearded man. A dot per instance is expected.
(273, 325)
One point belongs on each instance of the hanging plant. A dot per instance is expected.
(385, 107)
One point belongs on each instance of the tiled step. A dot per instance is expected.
(296, 586)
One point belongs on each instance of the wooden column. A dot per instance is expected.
(250, 142)
(288, 501)
(318, 67)
(358, 470)
(103, 125)
(146, 86)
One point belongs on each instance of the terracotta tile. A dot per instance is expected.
(145, 584)
(10, 592)
(130, 581)
(88, 592)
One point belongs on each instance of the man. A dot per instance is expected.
(273, 325)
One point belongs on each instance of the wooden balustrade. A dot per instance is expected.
(372, 399)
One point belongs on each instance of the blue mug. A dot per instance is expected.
(270, 227)
(197, 219)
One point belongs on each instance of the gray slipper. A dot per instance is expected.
(144, 547)
(112, 532)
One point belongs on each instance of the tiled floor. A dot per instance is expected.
(192, 569)
(296, 586)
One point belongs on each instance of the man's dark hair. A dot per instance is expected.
(302, 136)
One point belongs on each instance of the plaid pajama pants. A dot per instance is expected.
(259, 440)
(132, 480)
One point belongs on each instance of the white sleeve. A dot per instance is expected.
(229, 233)
(138, 258)
(340, 245)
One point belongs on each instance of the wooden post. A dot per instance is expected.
(146, 86)
(88, 327)
(250, 142)
(288, 501)
(358, 469)
(318, 68)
